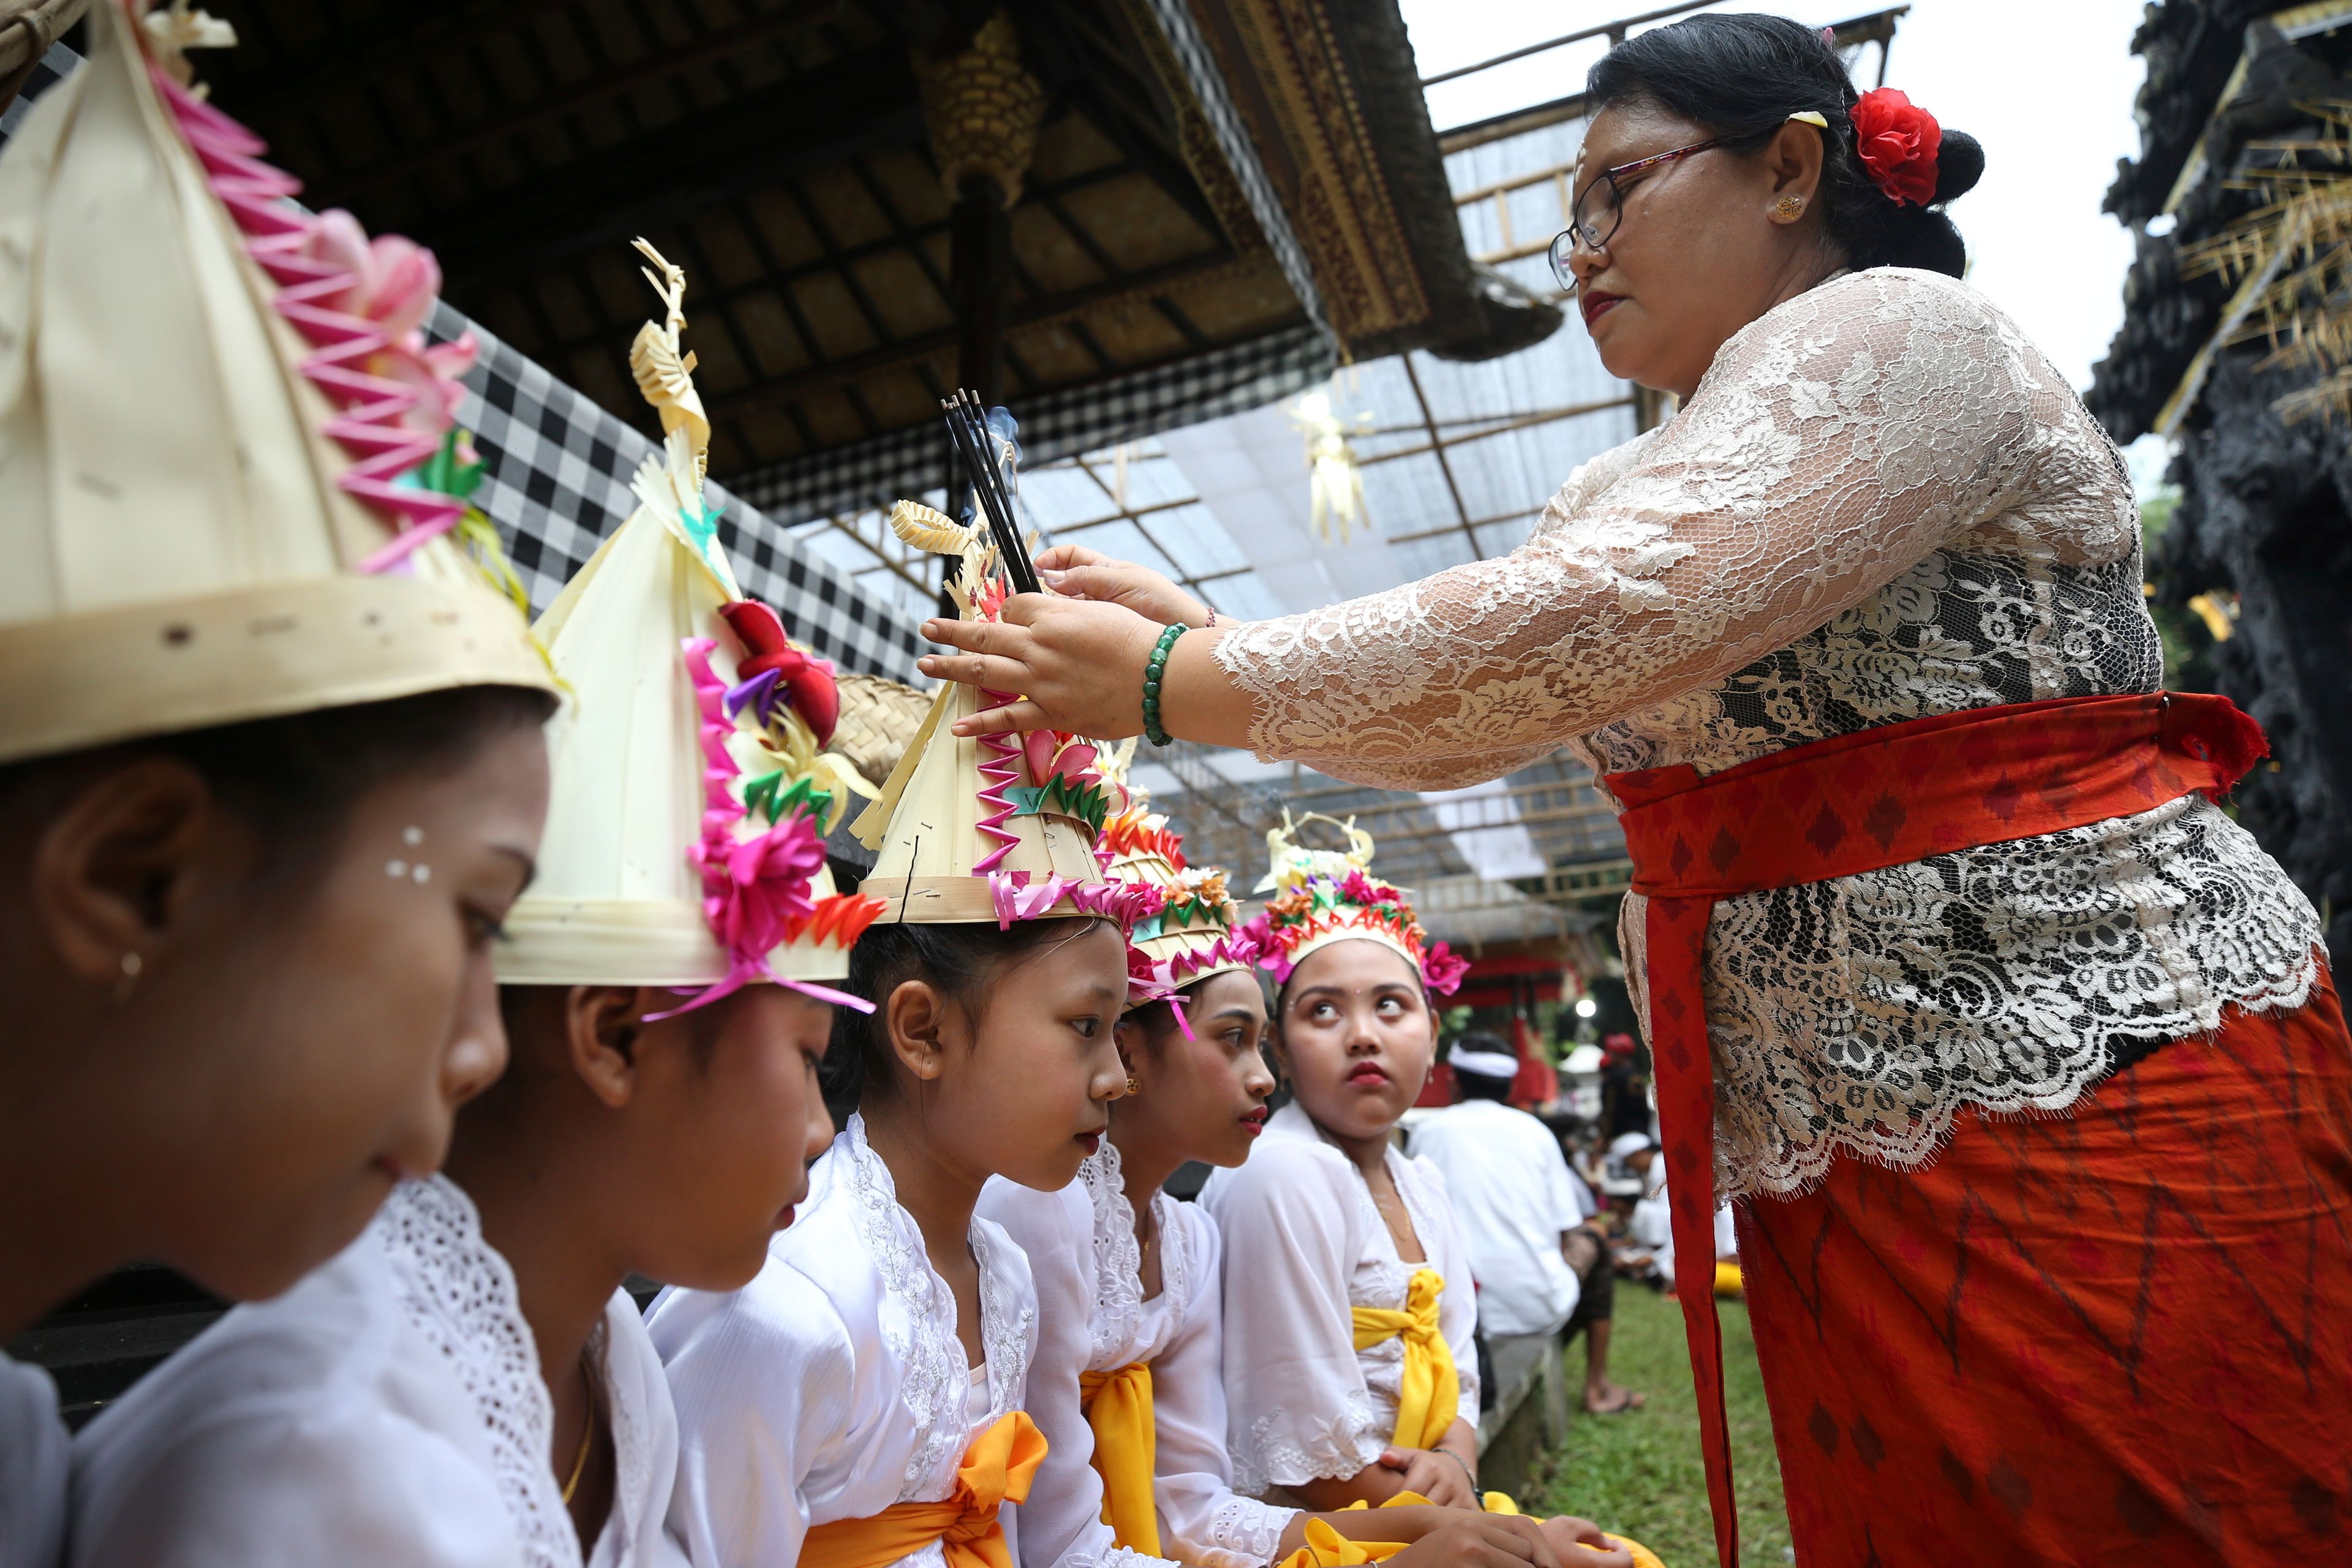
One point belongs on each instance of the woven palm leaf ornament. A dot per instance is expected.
(1323, 896)
(1000, 827)
(693, 785)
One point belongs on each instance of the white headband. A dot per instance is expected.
(1485, 1063)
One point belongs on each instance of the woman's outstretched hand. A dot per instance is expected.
(1078, 664)
(1078, 573)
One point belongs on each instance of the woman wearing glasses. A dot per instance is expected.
(1857, 642)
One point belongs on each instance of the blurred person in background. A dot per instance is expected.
(1541, 1267)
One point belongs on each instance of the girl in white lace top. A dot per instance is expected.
(831, 1409)
(1880, 519)
(1327, 1222)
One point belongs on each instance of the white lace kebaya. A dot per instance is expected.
(1881, 503)
(834, 1384)
(1303, 1246)
(1093, 1317)
(387, 1409)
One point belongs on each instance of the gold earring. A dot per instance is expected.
(1133, 1087)
(1788, 207)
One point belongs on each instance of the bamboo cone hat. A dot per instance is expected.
(233, 486)
(1192, 937)
(998, 828)
(691, 797)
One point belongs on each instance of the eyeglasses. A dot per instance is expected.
(1600, 205)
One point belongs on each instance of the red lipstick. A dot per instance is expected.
(1596, 304)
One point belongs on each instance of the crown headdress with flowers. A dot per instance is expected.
(1323, 896)
(685, 841)
(1001, 828)
(1193, 934)
(234, 488)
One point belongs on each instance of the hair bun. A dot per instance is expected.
(1959, 164)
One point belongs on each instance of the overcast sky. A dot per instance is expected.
(2046, 85)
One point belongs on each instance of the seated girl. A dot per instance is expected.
(468, 1384)
(860, 1403)
(1127, 1278)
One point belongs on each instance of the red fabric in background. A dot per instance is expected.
(2121, 1336)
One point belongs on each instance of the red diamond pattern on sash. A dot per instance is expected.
(1938, 785)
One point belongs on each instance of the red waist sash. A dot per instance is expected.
(1839, 807)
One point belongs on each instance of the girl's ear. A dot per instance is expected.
(602, 1026)
(915, 1013)
(1127, 1035)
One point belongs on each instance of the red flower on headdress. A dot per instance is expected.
(815, 696)
(1897, 142)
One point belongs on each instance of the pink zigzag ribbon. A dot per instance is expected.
(1001, 766)
(755, 891)
(1018, 896)
(374, 422)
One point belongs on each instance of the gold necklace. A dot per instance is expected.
(587, 1435)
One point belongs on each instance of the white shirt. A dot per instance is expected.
(1513, 1195)
(33, 1463)
(389, 1408)
(834, 1384)
(1081, 1242)
(1302, 1246)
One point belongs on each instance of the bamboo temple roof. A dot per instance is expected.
(1222, 199)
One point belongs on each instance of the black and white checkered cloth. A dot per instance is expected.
(558, 465)
(871, 473)
(557, 481)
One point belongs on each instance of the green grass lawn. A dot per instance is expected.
(1640, 1473)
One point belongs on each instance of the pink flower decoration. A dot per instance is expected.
(756, 890)
(1442, 969)
(393, 281)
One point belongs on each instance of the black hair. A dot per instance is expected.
(1742, 77)
(1477, 1085)
(298, 776)
(963, 959)
(1156, 1020)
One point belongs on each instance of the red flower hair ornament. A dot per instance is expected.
(1897, 142)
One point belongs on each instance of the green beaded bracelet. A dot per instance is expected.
(1153, 674)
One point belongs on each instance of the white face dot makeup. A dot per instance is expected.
(422, 873)
(411, 837)
(396, 869)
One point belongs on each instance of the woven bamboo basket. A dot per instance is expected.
(878, 719)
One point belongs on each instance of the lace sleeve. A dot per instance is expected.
(1835, 442)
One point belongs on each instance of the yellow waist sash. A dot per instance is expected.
(1427, 1400)
(1119, 1407)
(996, 1470)
(1327, 1548)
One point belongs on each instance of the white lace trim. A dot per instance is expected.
(1117, 1319)
(1881, 503)
(460, 1295)
(935, 1376)
(1249, 1528)
(1352, 1440)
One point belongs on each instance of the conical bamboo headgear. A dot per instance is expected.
(233, 488)
(1192, 936)
(999, 828)
(685, 841)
